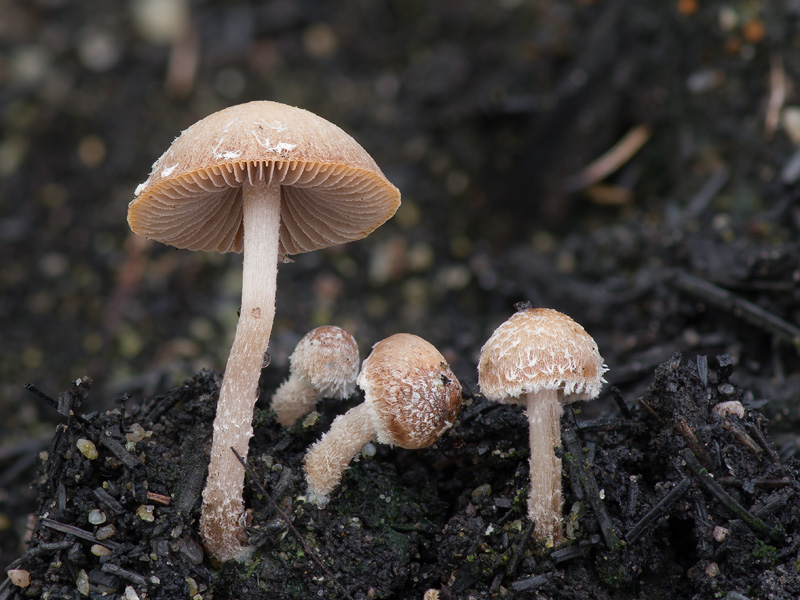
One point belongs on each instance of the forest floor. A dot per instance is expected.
(678, 252)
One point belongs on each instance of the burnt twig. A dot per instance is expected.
(125, 457)
(755, 430)
(520, 549)
(659, 510)
(715, 489)
(113, 569)
(752, 313)
(574, 457)
(77, 532)
(254, 479)
(41, 395)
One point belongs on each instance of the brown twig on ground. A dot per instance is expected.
(159, 498)
(777, 95)
(254, 479)
(611, 160)
(742, 437)
(683, 429)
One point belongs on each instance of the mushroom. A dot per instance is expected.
(267, 180)
(541, 359)
(324, 364)
(411, 397)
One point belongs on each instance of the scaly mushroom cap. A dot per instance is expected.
(327, 357)
(538, 349)
(332, 191)
(414, 395)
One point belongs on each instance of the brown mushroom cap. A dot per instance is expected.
(327, 357)
(332, 191)
(414, 395)
(538, 349)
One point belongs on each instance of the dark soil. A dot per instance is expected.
(683, 263)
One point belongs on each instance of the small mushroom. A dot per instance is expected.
(411, 397)
(267, 180)
(542, 359)
(324, 364)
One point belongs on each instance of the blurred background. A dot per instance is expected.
(573, 153)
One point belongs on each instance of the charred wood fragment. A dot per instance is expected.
(659, 510)
(574, 458)
(738, 306)
(715, 489)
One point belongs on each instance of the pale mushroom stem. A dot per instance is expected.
(295, 398)
(544, 502)
(221, 524)
(328, 459)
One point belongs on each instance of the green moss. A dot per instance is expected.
(261, 417)
(765, 553)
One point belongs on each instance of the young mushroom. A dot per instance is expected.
(411, 397)
(324, 364)
(541, 359)
(267, 180)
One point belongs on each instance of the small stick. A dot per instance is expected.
(108, 500)
(159, 498)
(289, 523)
(611, 160)
(520, 549)
(125, 457)
(740, 307)
(113, 569)
(589, 483)
(682, 427)
(41, 395)
(616, 394)
(650, 410)
(706, 194)
(742, 437)
(763, 483)
(658, 510)
(77, 532)
(762, 441)
(777, 95)
(771, 506)
(715, 489)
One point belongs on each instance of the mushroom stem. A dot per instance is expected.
(220, 522)
(544, 502)
(295, 398)
(329, 458)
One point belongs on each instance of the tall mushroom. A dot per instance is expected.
(267, 180)
(542, 359)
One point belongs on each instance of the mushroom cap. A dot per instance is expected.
(327, 357)
(331, 189)
(540, 349)
(414, 395)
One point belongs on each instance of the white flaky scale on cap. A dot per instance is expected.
(218, 188)
(542, 359)
(411, 397)
(324, 364)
